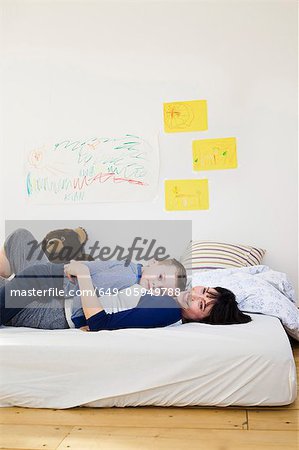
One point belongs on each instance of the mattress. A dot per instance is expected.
(185, 365)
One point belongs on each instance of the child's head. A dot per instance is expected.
(169, 274)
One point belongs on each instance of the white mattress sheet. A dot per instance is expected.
(192, 364)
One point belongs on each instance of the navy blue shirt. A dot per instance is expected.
(151, 312)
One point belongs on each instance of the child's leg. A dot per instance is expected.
(47, 316)
(18, 253)
(41, 282)
(5, 269)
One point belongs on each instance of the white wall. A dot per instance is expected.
(79, 69)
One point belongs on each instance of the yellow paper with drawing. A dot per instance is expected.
(213, 154)
(185, 195)
(185, 116)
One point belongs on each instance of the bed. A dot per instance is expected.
(184, 365)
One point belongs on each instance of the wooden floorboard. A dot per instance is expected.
(129, 417)
(33, 436)
(113, 438)
(273, 420)
(181, 439)
(233, 428)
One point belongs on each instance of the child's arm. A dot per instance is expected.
(153, 311)
(90, 302)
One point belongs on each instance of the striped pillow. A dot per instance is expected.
(208, 255)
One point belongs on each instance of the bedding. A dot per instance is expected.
(258, 289)
(185, 365)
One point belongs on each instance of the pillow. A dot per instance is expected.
(207, 255)
(258, 289)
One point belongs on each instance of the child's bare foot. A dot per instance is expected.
(5, 269)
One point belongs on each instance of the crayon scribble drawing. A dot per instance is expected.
(185, 195)
(185, 116)
(213, 154)
(105, 169)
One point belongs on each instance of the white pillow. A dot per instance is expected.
(257, 289)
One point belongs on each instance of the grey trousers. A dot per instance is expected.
(46, 315)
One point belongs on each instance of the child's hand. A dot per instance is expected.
(75, 269)
(86, 328)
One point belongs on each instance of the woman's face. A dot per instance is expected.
(197, 303)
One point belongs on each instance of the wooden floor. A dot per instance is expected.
(152, 428)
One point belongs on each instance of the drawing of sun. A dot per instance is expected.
(36, 157)
(178, 115)
(41, 160)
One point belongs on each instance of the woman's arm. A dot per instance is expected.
(151, 312)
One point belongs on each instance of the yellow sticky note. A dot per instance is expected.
(213, 154)
(185, 116)
(185, 195)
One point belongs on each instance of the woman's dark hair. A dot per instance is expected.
(225, 311)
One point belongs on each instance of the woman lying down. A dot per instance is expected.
(215, 306)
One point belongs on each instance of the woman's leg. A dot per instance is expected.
(41, 282)
(20, 250)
